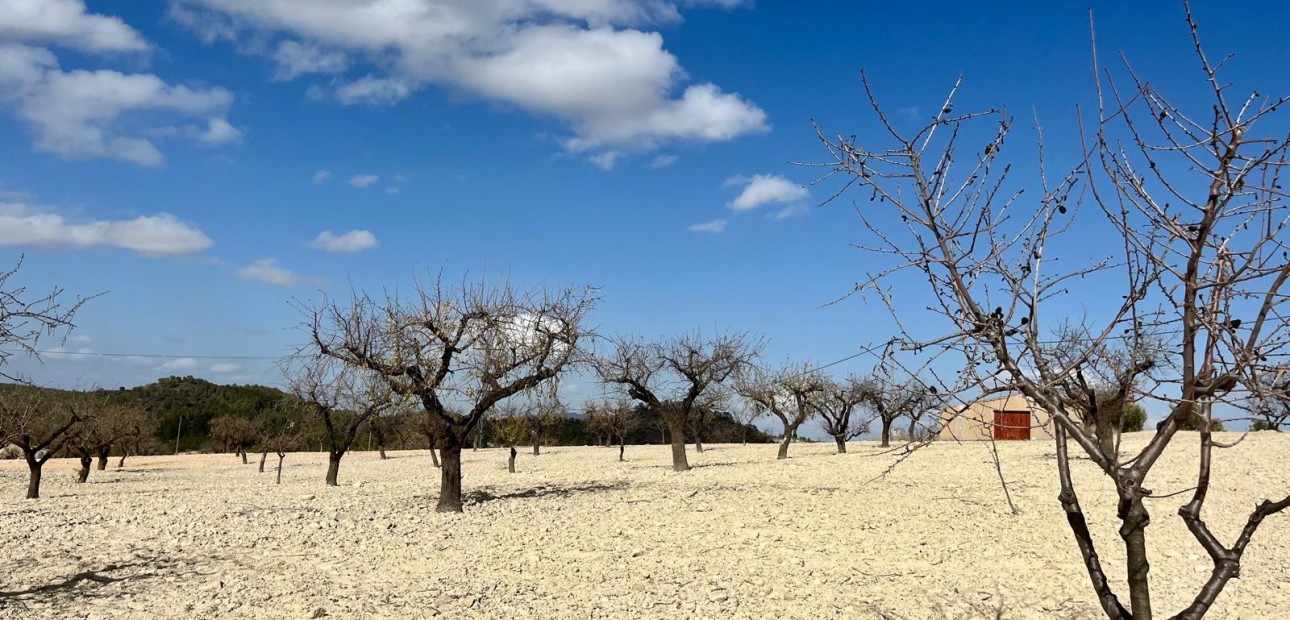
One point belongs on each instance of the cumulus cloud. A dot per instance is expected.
(364, 180)
(268, 270)
(352, 241)
(150, 235)
(605, 160)
(715, 227)
(81, 113)
(65, 22)
(220, 131)
(321, 176)
(593, 64)
(763, 189)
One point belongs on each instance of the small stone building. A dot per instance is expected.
(1009, 418)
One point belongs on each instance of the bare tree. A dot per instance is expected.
(25, 320)
(546, 411)
(341, 400)
(787, 393)
(102, 425)
(688, 367)
(387, 427)
(836, 404)
(1195, 198)
(39, 425)
(477, 345)
(430, 426)
(236, 432)
(288, 431)
(511, 426)
(614, 418)
(890, 398)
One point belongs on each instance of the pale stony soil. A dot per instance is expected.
(576, 534)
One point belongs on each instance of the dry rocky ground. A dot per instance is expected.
(575, 534)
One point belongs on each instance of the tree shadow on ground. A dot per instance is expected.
(85, 583)
(480, 496)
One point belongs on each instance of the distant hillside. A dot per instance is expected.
(197, 402)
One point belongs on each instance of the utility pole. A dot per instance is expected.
(178, 434)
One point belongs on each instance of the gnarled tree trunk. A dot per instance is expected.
(842, 443)
(34, 468)
(264, 455)
(104, 453)
(243, 451)
(121, 462)
(83, 473)
(333, 468)
(679, 461)
(886, 432)
(450, 475)
(434, 449)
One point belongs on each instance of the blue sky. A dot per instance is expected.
(205, 162)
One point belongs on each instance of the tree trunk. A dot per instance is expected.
(1105, 432)
(264, 455)
(33, 478)
(1133, 531)
(622, 447)
(243, 450)
(842, 444)
(84, 473)
(479, 440)
(280, 457)
(913, 428)
(104, 453)
(662, 436)
(121, 462)
(783, 447)
(333, 468)
(698, 444)
(450, 475)
(537, 443)
(381, 448)
(510, 463)
(679, 462)
(886, 432)
(434, 453)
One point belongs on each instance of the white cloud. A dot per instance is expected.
(268, 271)
(715, 227)
(219, 131)
(81, 113)
(392, 190)
(151, 235)
(764, 189)
(179, 365)
(592, 64)
(605, 160)
(65, 22)
(364, 180)
(321, 176)
(225, 368)
(352, 241)
(663, 161)
(374, 90)
(295, 59)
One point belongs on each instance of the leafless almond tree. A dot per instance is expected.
(671, 377)
(39, 425)
(475, 345)
(341, 399)
(836, 405)
(1193, 204)
(236, 432)
(25, 319)
(788, 394)
(615, 418)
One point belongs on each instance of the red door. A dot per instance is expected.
(1010, 425)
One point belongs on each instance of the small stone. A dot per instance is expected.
(319, 613)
